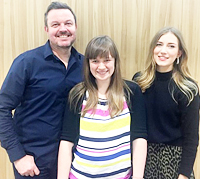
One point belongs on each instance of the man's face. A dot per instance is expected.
(61, 28)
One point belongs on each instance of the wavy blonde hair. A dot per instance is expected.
(180, 72)
(100, 46)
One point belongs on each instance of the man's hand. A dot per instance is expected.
(26, 166)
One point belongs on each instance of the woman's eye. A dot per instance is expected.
(94, 61)
(158, 44)
(108, 59)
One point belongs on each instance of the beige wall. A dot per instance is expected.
(130, 23)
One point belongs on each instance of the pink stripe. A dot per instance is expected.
(125, 105)
(103, 151)
(101, 112)
(71, 176)
(126, 177)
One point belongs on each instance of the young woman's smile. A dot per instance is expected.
(166, 52)
(102, 68)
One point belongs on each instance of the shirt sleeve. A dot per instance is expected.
(190, 130)
(138, 112)
(136, 75)
(71, 122)
(10, 96)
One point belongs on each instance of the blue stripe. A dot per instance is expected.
(103, 158)
(104, 148)
(104, 139)
(101, 175)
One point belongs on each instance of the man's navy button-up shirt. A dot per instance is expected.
(37, 87)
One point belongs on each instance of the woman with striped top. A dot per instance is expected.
(104, 129)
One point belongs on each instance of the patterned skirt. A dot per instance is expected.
(163, 162)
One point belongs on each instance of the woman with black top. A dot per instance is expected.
(172, 101)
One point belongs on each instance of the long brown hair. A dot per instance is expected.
(100, 46)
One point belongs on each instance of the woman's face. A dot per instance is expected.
(102, 68)
(166, 52)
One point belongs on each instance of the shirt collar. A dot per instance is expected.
(47, 50)
(163, 76)
(75, 56)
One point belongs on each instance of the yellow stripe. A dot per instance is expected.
(107, 126)
(102, 166)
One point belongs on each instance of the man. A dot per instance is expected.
(37, 86)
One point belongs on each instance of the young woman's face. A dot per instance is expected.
(166, 52)
(102, 68)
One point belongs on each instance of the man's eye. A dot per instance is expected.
(68, 23)
(54, 25)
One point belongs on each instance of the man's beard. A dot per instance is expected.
(66, 46)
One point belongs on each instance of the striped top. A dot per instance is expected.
(103, 150)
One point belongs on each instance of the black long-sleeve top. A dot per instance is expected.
(70, 131)
(173, 122)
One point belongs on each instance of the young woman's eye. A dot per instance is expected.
(94, 61)
(108, 59)
(158, 44)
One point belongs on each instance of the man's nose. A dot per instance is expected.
(63, 27)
